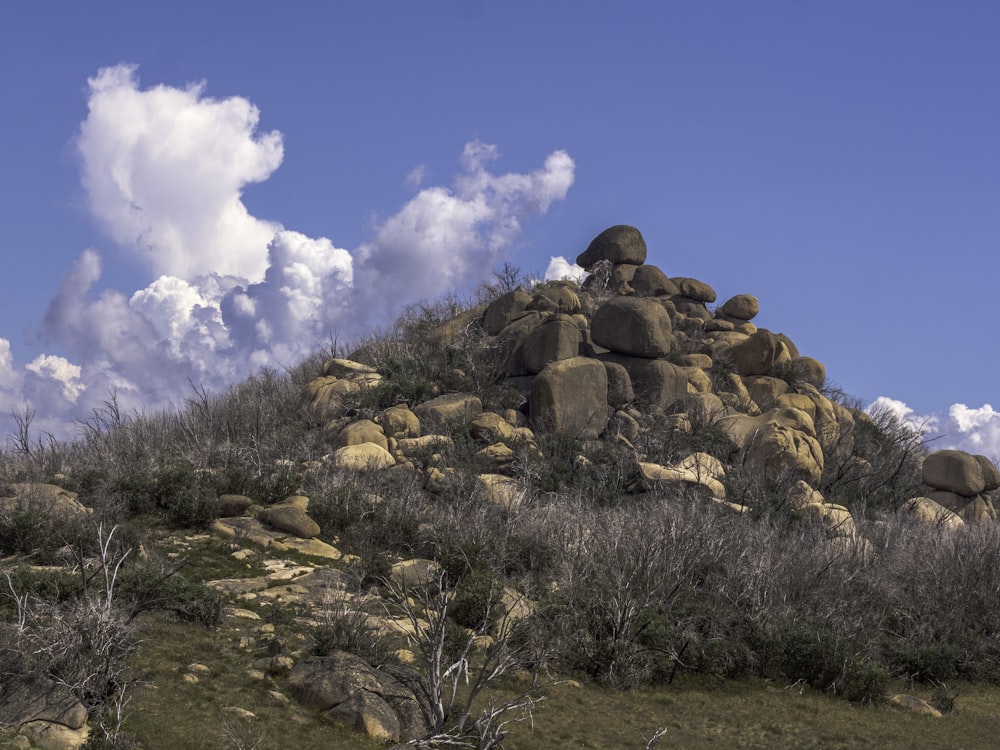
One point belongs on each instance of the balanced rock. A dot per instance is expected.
(636, 326)
(955, 471)
(696, 290)
(618, 244)
(740, 307)
(570, 396)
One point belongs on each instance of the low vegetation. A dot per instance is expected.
(650, 613)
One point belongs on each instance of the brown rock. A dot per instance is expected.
(504, 309)
(570, 396)
(650, 280)
(452, 408)
(810, 370)
(991, 476)
(956, 471)
(400, 422)
(620, 391)
(636, 326)
(362, 431)
(557, 338)
(699, 291)
(741, 307)
(929, 513)
(557, 297)
(757, 355)
(656, 383)
(617, 244)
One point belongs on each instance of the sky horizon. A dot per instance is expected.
(194, 191)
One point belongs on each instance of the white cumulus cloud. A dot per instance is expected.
(974, 430)
(62, 371)
(164, 169)
(445, 238)
(560, 268)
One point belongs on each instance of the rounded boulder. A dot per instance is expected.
(618, 244)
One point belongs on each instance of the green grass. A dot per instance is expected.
(698, 713)
(170, 712)
(750, 714)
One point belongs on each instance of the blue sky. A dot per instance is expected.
(838, 160)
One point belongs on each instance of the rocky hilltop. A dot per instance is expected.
(631, 345)
(619, 481)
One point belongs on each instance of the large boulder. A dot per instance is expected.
(286, 516)
(620, 392)
(991, 476)
(349, 691)
(34, 697)
(400, 422)
(500, 490)
(650, 280)
(656, 383)
(617, 244)
(570, 396)
(489, 427)
(557, 338)
(810, 370)
(955, 471)
(324, 397)
(925, 511)
(510, 342)
(740, 307)
(450, 409)
(362, 431)
(364, 457)
(636, 326)
(49, 498)
(556, 297)
(758, 354)
(696, 290)
(780, 454)
(501, 311)
(780, 445)
(765, 390)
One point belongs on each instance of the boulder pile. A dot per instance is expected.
(627, 346)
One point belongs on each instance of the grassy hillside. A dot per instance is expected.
(648, 605)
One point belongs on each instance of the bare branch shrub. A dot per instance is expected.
(454, 674)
